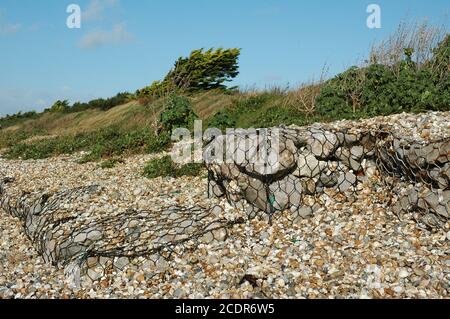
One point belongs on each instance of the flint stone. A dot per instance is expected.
(345, 156)
(94, 275)
(279, 159)
(345, 181)
(214, 189)
(309, 166)
(69, 250)
(444, 152)
(286, 192)
(309, 185)
(367, 140)
(350, 139)
(419, 155)
(446, 170)
(304, 212)
(72, 273)
(254, 192)
(437, 174)
(121, 262)
(322, 143)
(357, 152)
(94, 235)
(328, 180)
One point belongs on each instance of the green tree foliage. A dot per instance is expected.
(103, 104)
(202, 70)
(10, 120)
(60, 106)
(205, 70)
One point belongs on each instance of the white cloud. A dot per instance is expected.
(96, 8)
(9, 28)
(98, 38)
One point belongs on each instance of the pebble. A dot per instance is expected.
(347, 250)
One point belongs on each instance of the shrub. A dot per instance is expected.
(165, 167)
(102, 104)
(222, 120)
(10, 120)
(177, 113)
(110, 163)
(190, 169)
(46, 148)
(158, 143)
(276, 115)
(251, 103)
(385, 89)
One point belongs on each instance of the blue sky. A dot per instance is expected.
(126, 44)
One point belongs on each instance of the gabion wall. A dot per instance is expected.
(303, 165)
(300, 169)
(86, 246)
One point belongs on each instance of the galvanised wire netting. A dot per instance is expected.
(297, 169)
(265, 171)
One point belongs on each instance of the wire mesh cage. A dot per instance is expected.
(264, 172)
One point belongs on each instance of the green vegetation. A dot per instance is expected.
(410, 72)
(110, 163)
(382, 89)
(110, 141)
(60, 106)
(158, 143)
(103, 104)
(10, 120)
(202, 70)
(165, 167)
(177, 113)
(222, 120)
(103, 143)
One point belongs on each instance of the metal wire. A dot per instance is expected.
(269, 170)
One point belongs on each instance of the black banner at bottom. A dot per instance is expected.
(226, 308)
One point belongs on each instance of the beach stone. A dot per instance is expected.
(309, 166)
(286, 192)
(345, 181)
(322, 144)
(121, 262)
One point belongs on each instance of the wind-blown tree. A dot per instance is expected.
(60, 106)
(201, 70)
(205, 70)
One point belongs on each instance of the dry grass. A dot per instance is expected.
(90, 120)
(208, 103)
(303, 98)
(420, 36)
